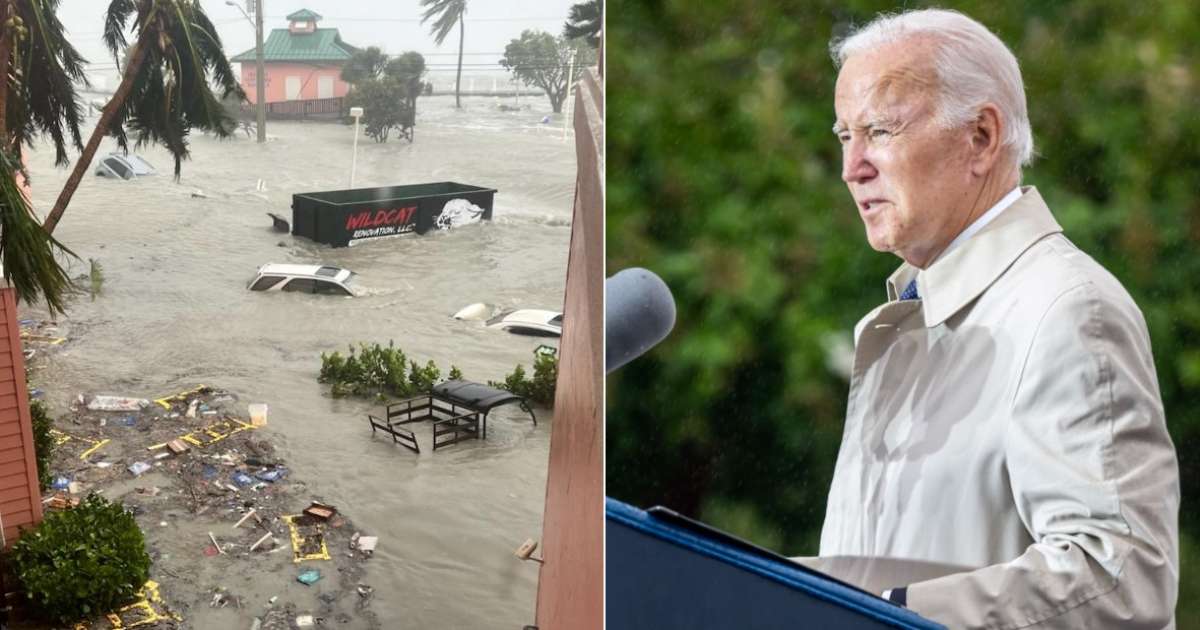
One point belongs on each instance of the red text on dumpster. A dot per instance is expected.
(380, 218)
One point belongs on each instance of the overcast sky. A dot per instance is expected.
(394, 25)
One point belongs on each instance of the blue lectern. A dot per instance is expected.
(665, 571)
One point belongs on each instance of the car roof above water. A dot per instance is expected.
(308, 271)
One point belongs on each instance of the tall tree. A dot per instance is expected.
(165, 88)
(447, 13)
(541, 59)
(585, 20)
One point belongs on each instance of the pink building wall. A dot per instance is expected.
(307, 73)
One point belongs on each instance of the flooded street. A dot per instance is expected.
(175, 313)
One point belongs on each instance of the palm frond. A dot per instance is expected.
(114, 27)
(447, 14)
(585, 20)
(171, 92)
(42, 83)
(26, 250)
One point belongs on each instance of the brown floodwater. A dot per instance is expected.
(175, 312)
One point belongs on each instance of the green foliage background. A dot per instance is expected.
(723, 177)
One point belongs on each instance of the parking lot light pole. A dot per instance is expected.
(357, 113)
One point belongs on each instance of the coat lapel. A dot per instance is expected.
(955, 280)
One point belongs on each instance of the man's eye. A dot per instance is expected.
(879, 133)
(844, 138)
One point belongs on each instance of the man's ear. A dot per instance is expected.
(986, 131)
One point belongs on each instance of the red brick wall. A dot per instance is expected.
(20, 500)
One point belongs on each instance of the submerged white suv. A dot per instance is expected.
(320, 279)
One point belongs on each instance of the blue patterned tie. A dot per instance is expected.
(910, 292)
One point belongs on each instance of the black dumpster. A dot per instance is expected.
(348, 217)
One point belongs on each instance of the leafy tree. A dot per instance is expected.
(407, 69)
(364, 65)
(585, 20)
(447, 14)
(540, 59)
(166, 83)
(387, 104)
(724, 179)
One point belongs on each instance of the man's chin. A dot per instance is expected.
(880, 243)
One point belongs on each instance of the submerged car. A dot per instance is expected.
(320, 279)
(529, 321)
(526, 321)
(121, 166)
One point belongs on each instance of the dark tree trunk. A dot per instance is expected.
(458, 76)
(89, 151)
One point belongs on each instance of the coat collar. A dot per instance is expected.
(955, 280)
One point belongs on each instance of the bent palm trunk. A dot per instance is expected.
(89, 151)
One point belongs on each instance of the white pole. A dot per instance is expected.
(567, 99)
(357, 113)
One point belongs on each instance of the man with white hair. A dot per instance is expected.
(1004, 420)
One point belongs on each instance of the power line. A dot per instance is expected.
(419, 20)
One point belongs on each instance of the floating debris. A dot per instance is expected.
(114, 403)
(309, 577)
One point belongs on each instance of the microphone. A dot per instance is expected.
(639, 312)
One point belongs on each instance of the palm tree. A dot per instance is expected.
(164, 91)
(41, 68)
(585, 20)
(447, 12)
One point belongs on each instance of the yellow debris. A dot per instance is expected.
(54, 341)
(61, 438)
(210, 434)
(298, 543)
(139, 613)
(180, 397)
(94, 448)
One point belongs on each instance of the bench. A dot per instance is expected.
(458, 409)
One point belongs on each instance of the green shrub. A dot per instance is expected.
(515, 382)
(331, 367)
(422, 379)
(43, 442)
(538, 390)
(375, 370)
(545, 375)
(84, 561)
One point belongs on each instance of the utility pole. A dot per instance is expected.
(260, 75)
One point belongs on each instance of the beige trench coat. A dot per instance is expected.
(1009, 421)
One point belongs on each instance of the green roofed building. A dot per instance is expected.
(301, 62)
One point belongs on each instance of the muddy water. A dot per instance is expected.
(175, 312)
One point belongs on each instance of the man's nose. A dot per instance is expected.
(856, 168)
